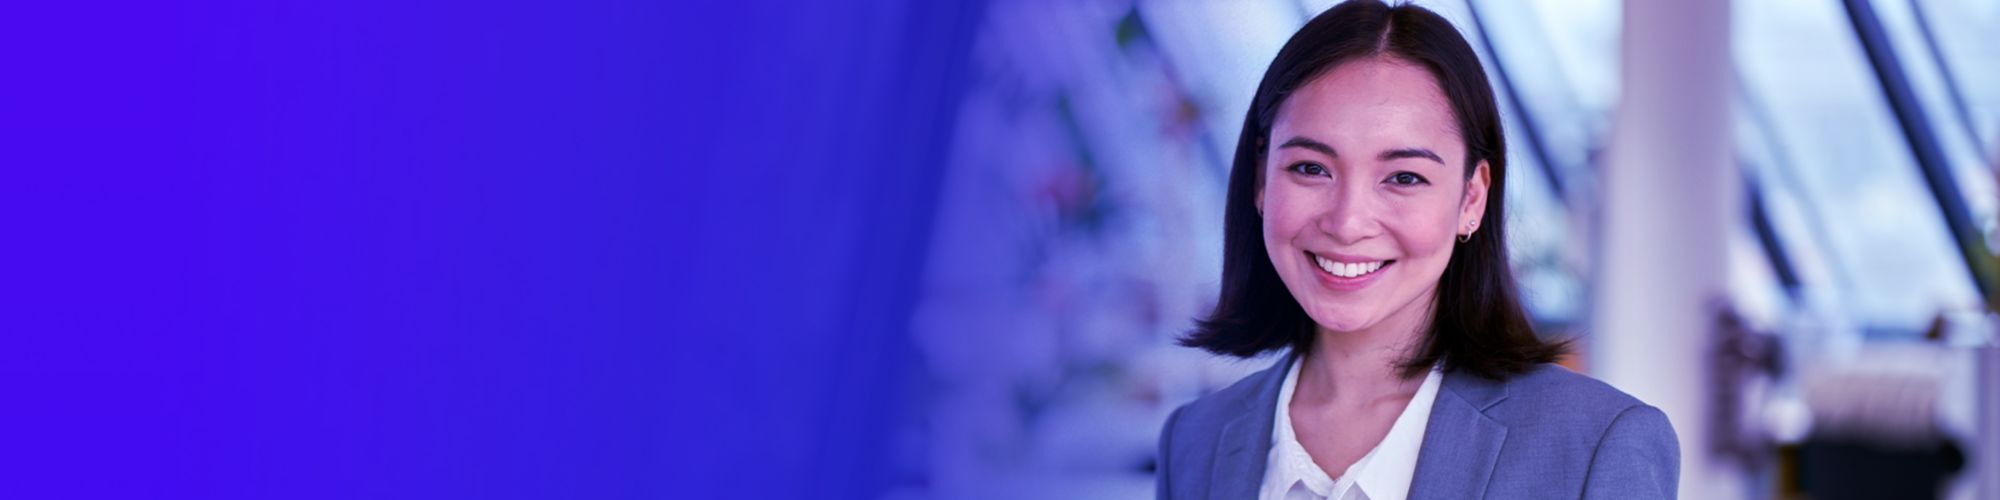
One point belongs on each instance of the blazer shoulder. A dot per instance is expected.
(1193, 431)
(1553, 402)
(1214, 408)
(1637, 458)
(1554, 386)
(1567, 431)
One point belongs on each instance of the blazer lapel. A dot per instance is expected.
(1461, 445)
(1246, 439)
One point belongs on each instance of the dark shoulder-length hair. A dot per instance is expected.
(1477, 323)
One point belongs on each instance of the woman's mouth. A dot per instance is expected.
(1348, 273)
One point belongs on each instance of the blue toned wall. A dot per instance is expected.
(465, 250)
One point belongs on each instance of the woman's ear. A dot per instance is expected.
(1475, 198)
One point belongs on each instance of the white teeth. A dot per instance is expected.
(1347, 269)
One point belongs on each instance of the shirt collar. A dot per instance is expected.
(1394, 465)
(1289, 462)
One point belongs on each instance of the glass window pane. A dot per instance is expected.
(1963, 30)
(1941, 97)
(1800, 61)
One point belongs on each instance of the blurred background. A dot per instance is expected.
(908, 249)
(1772, 218)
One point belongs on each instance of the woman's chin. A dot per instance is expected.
(1342, 323)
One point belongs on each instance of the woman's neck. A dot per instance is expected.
(1352, 369)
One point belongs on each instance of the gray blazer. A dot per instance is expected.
(1547, 433)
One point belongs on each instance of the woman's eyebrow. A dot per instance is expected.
(1301, 142)
(1401, 153)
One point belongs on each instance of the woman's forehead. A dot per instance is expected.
(1369, 100)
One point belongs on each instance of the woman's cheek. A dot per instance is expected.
(1439, 234)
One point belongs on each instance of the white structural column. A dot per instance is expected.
(1671, 194)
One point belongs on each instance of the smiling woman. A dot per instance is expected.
(1337, 228)
(1363, 236)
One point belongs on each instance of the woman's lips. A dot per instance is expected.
(1348, 273)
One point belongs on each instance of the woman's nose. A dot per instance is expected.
(1350, 216)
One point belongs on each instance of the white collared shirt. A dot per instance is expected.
(1383, 474)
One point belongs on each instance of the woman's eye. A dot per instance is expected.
(1407, 179)
(1309, 169)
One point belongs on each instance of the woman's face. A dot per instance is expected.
(1363, 194)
